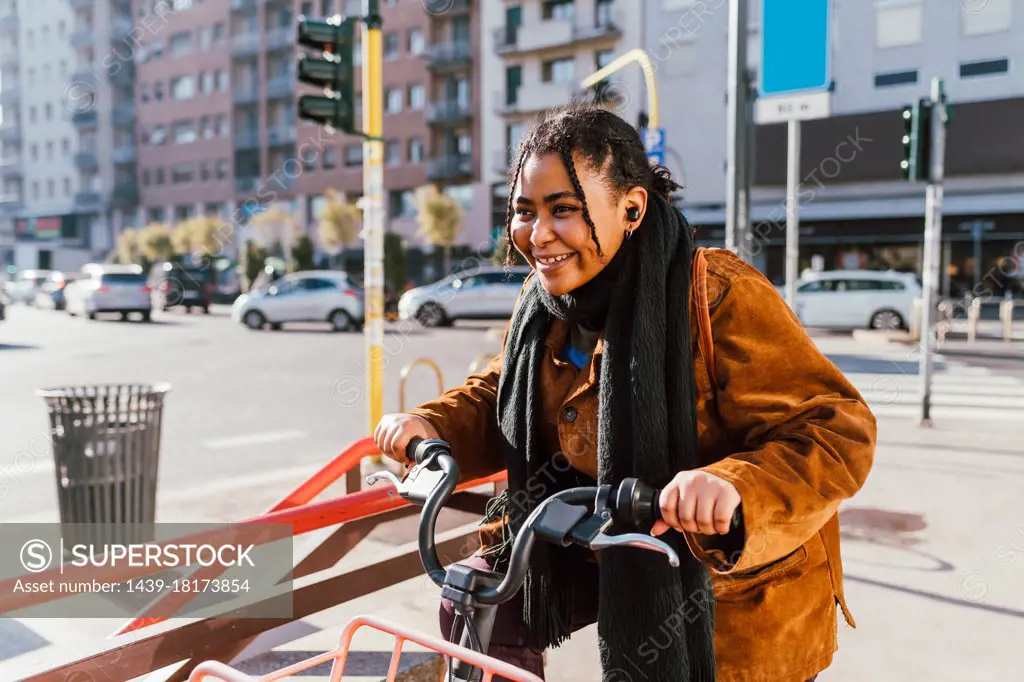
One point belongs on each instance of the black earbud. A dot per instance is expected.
(633, 214)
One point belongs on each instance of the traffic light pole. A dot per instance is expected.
(373, 211)
(738, 120)
(932, 243)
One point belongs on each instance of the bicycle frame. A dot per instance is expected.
(213, 670)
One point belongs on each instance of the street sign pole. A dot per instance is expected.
(932, 242)
(373, 211)
(737, 184)
(792, 210)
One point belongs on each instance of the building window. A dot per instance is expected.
(417, 43)
(307, 9)
(603, 16)
(415, 150)
(559, 71)
(145, 177)
(417, 97)
(308, 158)
(184, 132)
(218, 32)
(558, 9)
(393, 153)
(990, 67)
(158, 91)
(391, 45)
(204, 171)
(205, 37)
(222, 125)
(401, 203)
(49, 111)
(183, 87)
(464, 144)
(158, 136)
(884, 80)
(330, 158)
(216, 209)
(206, 82)
(181, 173)
(513, 81)
(144, 92)
(222, 169)
(32, 114)
(393, 99)
(206, 128)
(354, 155)
(898, 25)
(65, 146)
(34, 151)
(159, 180)
(180, 43)
(35, 188)
(67, 187)
(182, 213)
(222, 80)
(49, 151)
(51, 186)
(988, 16)
(603, 58)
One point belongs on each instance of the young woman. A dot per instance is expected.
(616, 364)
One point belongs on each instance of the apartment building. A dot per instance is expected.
(856, 212)
(537, 53)
(43, 224)
(183, 100)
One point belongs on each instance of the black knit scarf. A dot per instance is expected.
(655, 622)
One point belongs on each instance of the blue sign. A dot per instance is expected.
(795, 46)
(654, 143)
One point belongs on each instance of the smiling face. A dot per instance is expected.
(549, 227)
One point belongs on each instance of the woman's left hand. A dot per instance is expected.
(697, 502)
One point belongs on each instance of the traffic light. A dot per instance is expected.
(334, 72)
(917, 141)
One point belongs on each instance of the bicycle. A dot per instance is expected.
(562, 519)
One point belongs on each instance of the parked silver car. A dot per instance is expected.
(106, 288)
(486, 293)
(311, 296)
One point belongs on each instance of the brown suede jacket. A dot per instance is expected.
(780, 422)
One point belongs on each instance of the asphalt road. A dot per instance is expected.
(250, 414)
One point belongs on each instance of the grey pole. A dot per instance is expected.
(736, 194)
(932, 243)
(792, 211)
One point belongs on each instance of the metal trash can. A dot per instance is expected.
(106, 450)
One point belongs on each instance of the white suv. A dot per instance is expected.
(855, 299)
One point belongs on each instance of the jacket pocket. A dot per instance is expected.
(735, 585)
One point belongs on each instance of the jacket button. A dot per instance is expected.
(569, 414)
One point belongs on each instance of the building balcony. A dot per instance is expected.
(247, 139)
(280, 39)
(449, 54)
(10, 132)
(120, 29)
(10, 167)
(123, 113)
(9, 22)
(535, 97)
(516, 39)
(447, 112)
(10, 94)
(86, 160)
(245, 44)
(246, 93)
(281, 135)
(82, 36)
(121, 73)
(87, 118)
(89, 201)
(281, 87)
(124, 154)
(449, 167)
(243, 5)
(246, 185)
(126, 193)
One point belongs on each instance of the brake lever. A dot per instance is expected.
(417, 485)
(638, 540)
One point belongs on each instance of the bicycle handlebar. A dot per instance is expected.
(560, 519)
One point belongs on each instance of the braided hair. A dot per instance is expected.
(605, 142)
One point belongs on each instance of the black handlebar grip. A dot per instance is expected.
(410, 449)
(637, 503)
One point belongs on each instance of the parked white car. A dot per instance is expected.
(310, 296)
(109, 288)
(856, 299)
(27, 285)
(486, 293)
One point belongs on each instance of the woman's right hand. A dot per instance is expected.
(394, 432)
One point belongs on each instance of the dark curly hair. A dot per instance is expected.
(605, 142)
